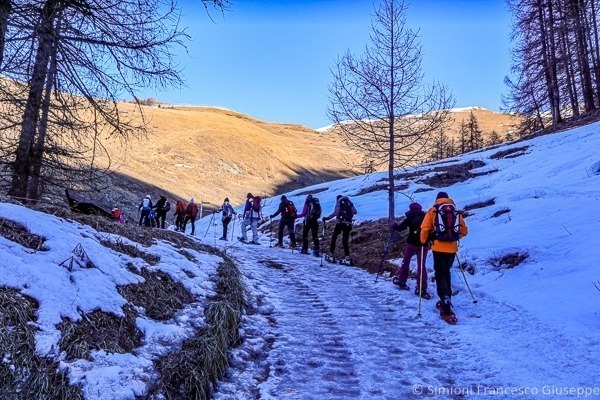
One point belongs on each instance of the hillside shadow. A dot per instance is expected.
(300, 177)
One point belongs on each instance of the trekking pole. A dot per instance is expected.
(209, 224)
(270, 232)
(233, 229)
(465, 277)
(421, 282)
(385, 251)
(323, 243)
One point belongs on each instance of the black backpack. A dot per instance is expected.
(314, 209)
(447, 223)
(290, 211)
(346, 209)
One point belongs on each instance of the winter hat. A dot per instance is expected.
(226, 199)
(148, 196)
(249, 195)
(283, 198)
(339, 196)
(309, 198)
(442, 195)
(191, 201)
(415, 207)
(163, 197)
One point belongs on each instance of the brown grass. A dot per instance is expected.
(510, 153)
(453, 174)
(23, 374)
(508, 261)
(159, 295)
(19, 234)
(99, 330)
(193, 371)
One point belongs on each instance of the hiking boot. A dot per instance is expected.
(242, 239)
(316, 253)
(402, 285)
(303, 251)
(280, 245)
(222, 238)
(445, 306)
(254, 242)
(424, 293)
(294, 247)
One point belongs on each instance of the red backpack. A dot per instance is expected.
(290, 211)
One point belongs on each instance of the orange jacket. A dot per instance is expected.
(428, 226)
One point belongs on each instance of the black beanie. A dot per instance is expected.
(442, 195)
(249, 195)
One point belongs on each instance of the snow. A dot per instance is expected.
(330, 332)
(315, 331)
(65, 294)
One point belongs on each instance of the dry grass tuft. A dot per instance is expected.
(379, 187)
(99, 330)
(508, 261)
(19, 234)
(500, 212)
(313, 192)
(194, 370)
(131, 250)
(159, 295)
(24, 374)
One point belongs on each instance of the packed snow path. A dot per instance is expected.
(330, 332)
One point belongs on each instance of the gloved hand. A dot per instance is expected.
(393, 225)
(324, 219)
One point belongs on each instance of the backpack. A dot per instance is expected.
(256, 206)
(447, 223)
(314, 209)
(346, 209)
(290, 211)
(146, 204)
(166, 207)
(227, 211)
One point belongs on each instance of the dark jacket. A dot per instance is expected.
(281, 209)
(413, 221)
(160, 204)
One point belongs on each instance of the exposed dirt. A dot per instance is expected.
(510, 153)
(453, 174)
(500, 212)
(508, 261)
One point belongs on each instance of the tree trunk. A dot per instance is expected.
(34, 191)
(391, 118)
(24, 153)
(552, 60)
(546, 64)
(5, 10)
(582, 56)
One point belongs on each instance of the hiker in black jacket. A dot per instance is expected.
(288, 212)
(414, 218)
(162, 207)
(343, 213)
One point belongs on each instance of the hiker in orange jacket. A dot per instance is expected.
(442, 227)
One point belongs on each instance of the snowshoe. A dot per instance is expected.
(256, 243)
(241, 239)
(330, 259)
(402, 285)
(316, 253)
(346, 261)
(303, 251)
(278, 245)
(424, 294)
(294, 247)
(223, 238)
(448, 315)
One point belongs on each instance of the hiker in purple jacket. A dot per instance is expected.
(414, 218)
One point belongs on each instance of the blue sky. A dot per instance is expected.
(271, 59)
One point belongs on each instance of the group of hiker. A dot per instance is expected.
(439, 230)
(155, 215)
(311, 213)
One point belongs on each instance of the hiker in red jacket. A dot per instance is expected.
(190, 215)
(179, 214)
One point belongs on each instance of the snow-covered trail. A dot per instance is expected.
(331, 333)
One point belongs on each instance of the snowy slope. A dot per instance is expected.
(517, 334)
(62, 293)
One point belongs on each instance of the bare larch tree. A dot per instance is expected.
(378, 99)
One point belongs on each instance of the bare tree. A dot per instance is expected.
(77, 59)
(379, 101)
